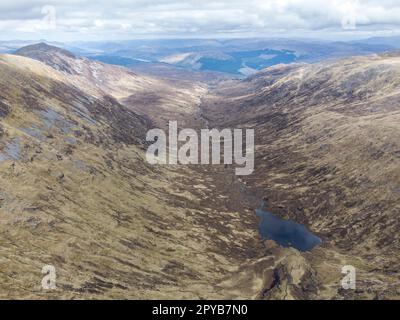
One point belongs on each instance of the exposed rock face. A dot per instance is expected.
(328, 139)
(51, 55)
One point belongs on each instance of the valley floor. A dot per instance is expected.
(77, 193)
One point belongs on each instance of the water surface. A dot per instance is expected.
(286, 233)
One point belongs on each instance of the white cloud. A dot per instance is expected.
(79, 19)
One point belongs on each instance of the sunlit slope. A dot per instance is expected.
(328, 154)
(159, 99)
(77, 193)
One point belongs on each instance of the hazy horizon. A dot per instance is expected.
(154, 39)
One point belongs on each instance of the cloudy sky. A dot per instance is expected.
(67, 20)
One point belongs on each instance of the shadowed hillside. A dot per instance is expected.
(156, 98)
(77, 193)
(328, 156)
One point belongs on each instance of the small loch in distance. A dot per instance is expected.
(286, 233)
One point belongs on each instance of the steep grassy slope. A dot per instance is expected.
(328, 156)
(76, 193)
(159, 99)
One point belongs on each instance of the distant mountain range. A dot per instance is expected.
(393, 42)
(235, 57)
(240, 57)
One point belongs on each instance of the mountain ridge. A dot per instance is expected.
(327, 156)
(76, 192)
(73, 173)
